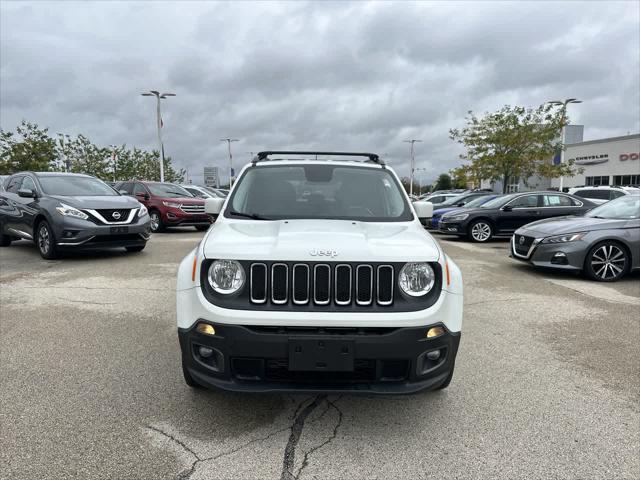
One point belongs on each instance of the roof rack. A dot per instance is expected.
(262, 156)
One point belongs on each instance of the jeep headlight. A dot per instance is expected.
(416, 279)
(69, 211)
(226, 276)
(569, 237)
(455, 217)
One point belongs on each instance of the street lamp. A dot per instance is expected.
(159, 96)
(229, 140)
(65, 159)
(114, 159)
(420, 179)
(563, 104)
(413, 163)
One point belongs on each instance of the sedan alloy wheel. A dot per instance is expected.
(481, 231)
(607, 262)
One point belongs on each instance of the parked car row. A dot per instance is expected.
(553, 229)
(67, 211)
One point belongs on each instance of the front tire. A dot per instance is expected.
(188, 379)
(607, 262)
(46, 242)
(137, 248)
(156, 221)
(480, 231)
(5, 240)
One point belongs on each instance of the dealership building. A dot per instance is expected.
(608, 161)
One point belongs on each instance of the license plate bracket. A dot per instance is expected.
(317, 354)
(119, 230)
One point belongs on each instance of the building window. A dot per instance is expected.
(626, 180)
(595, 181)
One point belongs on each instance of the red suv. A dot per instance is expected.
(169, 205)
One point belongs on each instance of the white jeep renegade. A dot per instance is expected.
(318, 276)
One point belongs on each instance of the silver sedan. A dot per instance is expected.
(604, 244)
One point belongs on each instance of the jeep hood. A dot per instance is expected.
(319, 240)
(98, 202)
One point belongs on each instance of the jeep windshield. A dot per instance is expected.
(75, 186)
(319, 191)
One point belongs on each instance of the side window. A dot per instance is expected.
(526, 201)
(139, 189)
(195, 193)
(556, 201)
(13, 185)
(28, 184)
(126, 187)
(616, 194)
(581, 193)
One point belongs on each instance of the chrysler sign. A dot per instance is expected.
(592, 159)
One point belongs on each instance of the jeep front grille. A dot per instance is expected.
(321, 284)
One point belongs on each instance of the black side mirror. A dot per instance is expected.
(461, 204)
(27, 193)
(507, 208)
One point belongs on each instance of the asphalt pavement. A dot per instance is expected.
(547, 382)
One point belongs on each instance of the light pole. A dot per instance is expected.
(114, 159)
(229, 140)
(420, 179)
(159, 96)
(413, 163)
(563, 104)
(65, 159)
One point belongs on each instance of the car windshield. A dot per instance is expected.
(319, 191)
(623, 208)
(72, 186)
(167, 190)
(213, 191)
(476, 202)
(499, 201)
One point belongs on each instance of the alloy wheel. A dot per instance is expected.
(155, 221)
(481, 232)
(608, 262)
(44, 240)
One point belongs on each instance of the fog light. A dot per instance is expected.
(560, 258)
(435, 355)
(434, 332)
(205, 352)
(206, 329)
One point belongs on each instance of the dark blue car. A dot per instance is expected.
(463, 201)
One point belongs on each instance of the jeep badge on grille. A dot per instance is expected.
(323, 253)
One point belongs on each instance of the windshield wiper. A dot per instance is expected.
(254, 216)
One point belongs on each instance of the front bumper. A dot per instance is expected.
(83, 234)
(257, 359)
(452, 228)
(564, 256)
(175, 217)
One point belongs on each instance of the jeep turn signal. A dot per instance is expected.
(434, 332)
(206, 329)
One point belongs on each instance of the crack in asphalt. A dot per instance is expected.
(299, 417)
(187, 473)
(305, 460)
(288, 460)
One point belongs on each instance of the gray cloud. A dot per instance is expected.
(327, 75)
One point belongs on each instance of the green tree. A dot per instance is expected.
(28, 148)
(513, 143)
(443, 182)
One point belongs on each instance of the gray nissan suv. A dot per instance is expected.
(65, 211)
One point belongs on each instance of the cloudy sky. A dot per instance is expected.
(330, 76)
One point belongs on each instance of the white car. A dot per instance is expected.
(437, 198)
(338, 290)
(602, 193)
(203, 192)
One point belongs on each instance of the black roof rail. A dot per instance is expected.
(373, 157)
